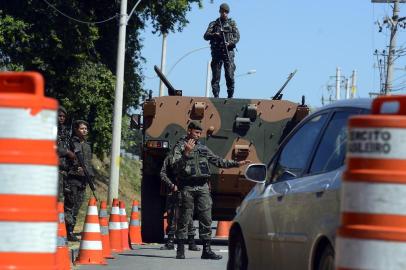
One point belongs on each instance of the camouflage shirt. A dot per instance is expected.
(193, 164)
(166, 172)
(231, 35)
(83, 148)
(63, 139)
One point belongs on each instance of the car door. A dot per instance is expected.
(292, 161)
(311, 205)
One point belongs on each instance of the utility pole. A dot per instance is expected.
(118, 102)
(208, 79)
(353, 83)
(392, 48)
(163, 64)
(347, 89)
(338, 80)
(392, 42)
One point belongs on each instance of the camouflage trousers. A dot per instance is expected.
(172, 204)
(74, 194)
(61, 185)
(198, 199)
(217, 62)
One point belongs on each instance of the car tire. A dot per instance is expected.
(237, 259)
(326, 259)
(152, 209)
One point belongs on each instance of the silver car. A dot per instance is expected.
(289, 219)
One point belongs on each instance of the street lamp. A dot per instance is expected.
(249, 72)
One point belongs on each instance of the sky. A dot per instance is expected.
(277, 37)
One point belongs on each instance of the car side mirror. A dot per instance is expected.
(135, 122)
(256, 173)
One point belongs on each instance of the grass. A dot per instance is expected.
(129, 187)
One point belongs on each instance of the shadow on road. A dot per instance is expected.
(149, 256)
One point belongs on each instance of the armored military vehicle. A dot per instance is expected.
(232, 128)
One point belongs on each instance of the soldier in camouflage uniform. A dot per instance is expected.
(76, 181)
(172, 203)
(223, 35)
(190, 161)
(63, 151)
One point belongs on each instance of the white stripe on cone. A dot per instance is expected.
(115, 225)
(91, 245)
(382, 143)
(28, 179)
(124, 225)
(370, 254)
(35, 237)
(135, 209)
(92, 210)
(91, 227)
(115, 210)
(373, 198)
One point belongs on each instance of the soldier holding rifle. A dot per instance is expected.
(80, 170)
(223, 35)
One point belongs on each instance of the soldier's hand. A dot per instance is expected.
(175, 188)
(189, 145)
(244, 162)
(70, 154)
(80, 170)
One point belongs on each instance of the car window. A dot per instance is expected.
(296, 152)
(330, 153)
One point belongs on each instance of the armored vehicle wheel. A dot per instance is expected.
(326, 260)
(152, 209)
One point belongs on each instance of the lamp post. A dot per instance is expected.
(249, 72)
(118, 102)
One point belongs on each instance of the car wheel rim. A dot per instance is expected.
(327, 263)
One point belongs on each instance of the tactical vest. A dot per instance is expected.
(197, 164)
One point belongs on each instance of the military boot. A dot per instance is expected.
(230, 93)
(208, 253)
(180, 252)
(192, 244)
(71, 237)
(170, 244)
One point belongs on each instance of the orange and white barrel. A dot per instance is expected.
(28, 173)
(372, 234)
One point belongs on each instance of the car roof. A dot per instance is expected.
(361, 103)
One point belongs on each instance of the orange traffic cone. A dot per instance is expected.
(91, 248)
(135, 228)
(124, 227)
(62, 250)
(104, 229)
(223, 228)
(115, 227)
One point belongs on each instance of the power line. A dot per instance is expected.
(77, 20)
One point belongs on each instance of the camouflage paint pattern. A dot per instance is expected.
(258, 142)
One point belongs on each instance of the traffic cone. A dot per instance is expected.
(124, 227)
(91, 248)
(135, 228)
(223, 228)
(104, 229)
(115, 227)
(62, 250)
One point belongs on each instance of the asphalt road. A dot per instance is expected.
(150, 257)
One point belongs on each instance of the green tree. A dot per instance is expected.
(78, 59)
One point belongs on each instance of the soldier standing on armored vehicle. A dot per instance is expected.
(64, 153)
(76, 181)
(190, 162)
(223, 35)
(172, 204)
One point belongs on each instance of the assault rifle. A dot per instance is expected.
(88, 178)
(224, 39)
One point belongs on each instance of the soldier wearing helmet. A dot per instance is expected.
(190, 161)
(223, 35)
